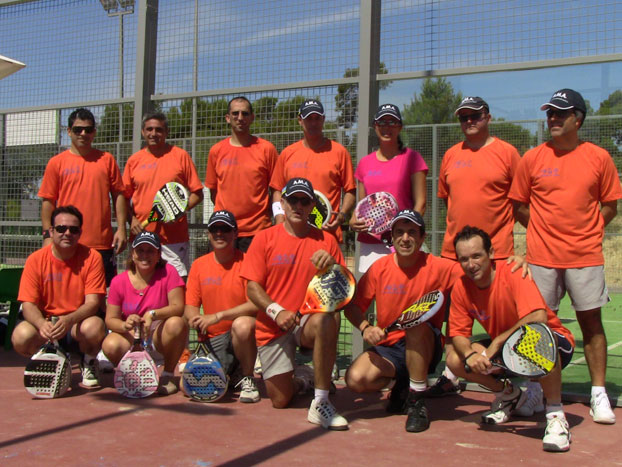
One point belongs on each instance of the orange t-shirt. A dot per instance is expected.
(509, 298)
(476, 184)
(281, 264)
(59, 287)
(396, 288)
(241, 176)
(85, 182)
(329, 170)
(217, 287)
(145, 174)
(563, 191)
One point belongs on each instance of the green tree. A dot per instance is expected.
(108, 127)
(435, 103)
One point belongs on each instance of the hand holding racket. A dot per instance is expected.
(203, 378)
(529, 351)
(136, 375)
(329, 290)
(322, 211)
(419, 312)
(169, 204)
(377, 210)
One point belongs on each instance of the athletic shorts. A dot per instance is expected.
(369, 253)
(585, 286)
(222, 347)
(178, 256)
(396, 354)
(110, 264)
(278, 356)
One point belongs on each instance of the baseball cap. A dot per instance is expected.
(149, 238)
(223, 217)
(409, 215)
(565, 99)
(473, 103)
(298, 185)
(388, 109)
(310, 106)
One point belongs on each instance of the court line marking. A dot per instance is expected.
(578, 361)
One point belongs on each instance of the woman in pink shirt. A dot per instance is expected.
(149, 294)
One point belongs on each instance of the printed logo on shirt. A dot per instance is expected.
(300, 165)
(151, 166)
(462, 164)
(54, 277)
(549, 172)
(479, 315)
(394, 289)
(216, 280)
(70, 171)
(130, 307)
(283, 260)
(229, 161)
(374, 173)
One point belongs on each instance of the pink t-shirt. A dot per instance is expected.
(155, 295)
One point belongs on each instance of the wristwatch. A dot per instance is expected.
(152, 314)
(46, 234)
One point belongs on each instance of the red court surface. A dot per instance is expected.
(102, 428)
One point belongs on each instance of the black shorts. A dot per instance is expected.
(110, 264)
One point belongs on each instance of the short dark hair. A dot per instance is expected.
(69, 209)
(240, 98)
(80, 114)
(469, 232)
(154, 116)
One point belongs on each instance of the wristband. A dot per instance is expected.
(467, 368)
(365, 327)
(46, 234)
(469, 356)
(277, 209)
(273, 310)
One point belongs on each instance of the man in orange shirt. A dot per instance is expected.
(502, 302)
(325, 163)
(86, 177)
(278, 266)
(395, 281)
(474, 181)
(146, 172)
(242, 163)
(566, 191)
(64, 279)
(228, 319)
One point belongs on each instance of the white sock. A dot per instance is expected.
(321, 395)
(555, 410)
(418, 386)
(596, 390)
(88, 358)
(450, 375)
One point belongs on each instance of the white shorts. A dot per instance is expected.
(585, 286)
(279, 356)
(178, 256)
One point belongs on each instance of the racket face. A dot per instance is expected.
(530, 351)
(321, 213)
(204, 378)
(377, 210)
(170, 203)
(420, 311)
(136, 376)
(329, 290)
(48, 373)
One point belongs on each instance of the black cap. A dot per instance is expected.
(473, 103)
(298, 185)
(222, 217)
(565, 99)
(149, 238)
(310, 106)
(388, 109)
(409, 215)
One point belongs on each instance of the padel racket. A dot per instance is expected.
(322, 212)
(530, 351)
(48, 373)
(377, 210)
(169, 204)
(204, 378)
(136, 375)
(330, 289)
(419, 312)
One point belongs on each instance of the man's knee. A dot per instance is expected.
(243, 327)
(24, 338)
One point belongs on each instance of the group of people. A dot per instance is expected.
(243, 295)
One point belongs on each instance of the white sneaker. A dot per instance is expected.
(534, 402)
(249, 392)
(104, 364)
(90, 373)
(324, 413)
(601, 409)
(503, 405)
(557, 435)
(258, 370)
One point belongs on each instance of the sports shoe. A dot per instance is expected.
(416, 415)
(258, 370)
(249, 392)
(534, 402)
(306, 377)
(105, 365)
(557, 435)
(324, 413)
(90, 373)
(397, 399)
(601, 409)
(444, 387)
(503, 405)
(181, 364)
(167, 386)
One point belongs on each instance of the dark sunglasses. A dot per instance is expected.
(244, 113)
(388, 122)
(473, 117)
(559, 113)
(293, 200)
(77, 130)
(73, 229)
(220, 228)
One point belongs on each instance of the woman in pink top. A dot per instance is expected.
(149, 294)
(392, 168)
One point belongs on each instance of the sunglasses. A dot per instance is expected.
(473, 117)
(73, 229)
(550, 113)
(220, 228)
(77, 130)
(388, 123)
(293, 200)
